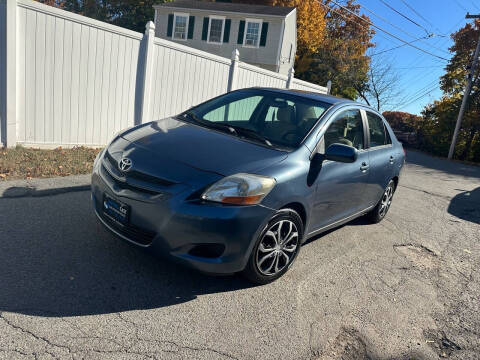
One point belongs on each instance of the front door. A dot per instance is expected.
(340, 186)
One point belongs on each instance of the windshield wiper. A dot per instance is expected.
(210, 124)
(235, 130)
(252, 134)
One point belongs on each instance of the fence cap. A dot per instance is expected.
(236, 55)
(150, 27)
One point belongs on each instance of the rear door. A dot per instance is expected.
(339, 187)
(381, 156)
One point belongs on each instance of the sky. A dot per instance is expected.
(419, 72)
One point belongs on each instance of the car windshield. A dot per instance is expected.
(268, 117)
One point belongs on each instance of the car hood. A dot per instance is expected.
(201, 148)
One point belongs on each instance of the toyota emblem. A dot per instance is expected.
(125, 164)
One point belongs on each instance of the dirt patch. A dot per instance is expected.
(419, 255)
(25, 163)
(348, 345)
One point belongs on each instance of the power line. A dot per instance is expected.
(418, 14)
(403, 31)
(460, 5)
(381, 29)
(404, 16)
(396, 47)
(439, 42)
(331, 9)
(418, 67)
(419, 91)
(475, 5)
(428, 92)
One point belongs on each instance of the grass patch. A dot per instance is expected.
(25, 163)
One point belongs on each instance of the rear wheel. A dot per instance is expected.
(379, 212)
(276, 248)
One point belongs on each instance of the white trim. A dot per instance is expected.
(253, 21)
(186, 15)
(216, 17)
(280, 45)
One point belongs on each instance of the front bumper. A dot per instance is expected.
(170, 224)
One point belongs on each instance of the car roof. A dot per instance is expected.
(329, 99)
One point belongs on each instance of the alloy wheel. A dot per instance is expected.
(386, 200)
(278, 247)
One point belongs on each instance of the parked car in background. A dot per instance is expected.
(239, 182)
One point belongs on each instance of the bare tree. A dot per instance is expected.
(383, 86)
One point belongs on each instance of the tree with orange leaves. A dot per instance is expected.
(331, 43)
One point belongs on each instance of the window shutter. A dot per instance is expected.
(205, 29)
(191, 26)
(241, 32)
(263, 37)
(226, 32)
(170, 25)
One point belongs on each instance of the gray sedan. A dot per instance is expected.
(238, 183)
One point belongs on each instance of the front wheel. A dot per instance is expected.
(379, 212)
(276, 248)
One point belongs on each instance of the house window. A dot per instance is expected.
(215, 29)
(252, 33)
(180, 26)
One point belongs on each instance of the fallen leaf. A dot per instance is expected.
(3, 176)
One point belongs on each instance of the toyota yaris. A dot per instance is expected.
(236, 184)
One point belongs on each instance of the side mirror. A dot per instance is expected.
(341, 153)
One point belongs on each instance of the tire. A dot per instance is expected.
(271, 258)
(381, 209)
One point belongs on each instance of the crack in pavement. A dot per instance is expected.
(123, 349)
(426, 192)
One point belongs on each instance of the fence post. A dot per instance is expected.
(232, 75)
(148, 61)
(291, 76)
(10, 70)
(329, 87)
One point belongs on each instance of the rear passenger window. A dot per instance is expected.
(378, 133)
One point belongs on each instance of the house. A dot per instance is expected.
(266, 36)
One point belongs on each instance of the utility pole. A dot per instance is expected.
(466, 94)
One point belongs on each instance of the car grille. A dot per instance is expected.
(124, 185)
(131, 232)
(134, 174)
(133, 180)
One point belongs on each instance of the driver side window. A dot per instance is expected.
(346, 129)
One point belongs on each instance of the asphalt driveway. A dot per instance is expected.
(408, 287)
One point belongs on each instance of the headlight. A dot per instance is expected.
(240, 189)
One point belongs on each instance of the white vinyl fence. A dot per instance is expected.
(69, 80)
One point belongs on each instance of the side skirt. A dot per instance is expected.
(339, 222)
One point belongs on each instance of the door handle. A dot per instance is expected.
(364, 167)
(391, 159)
